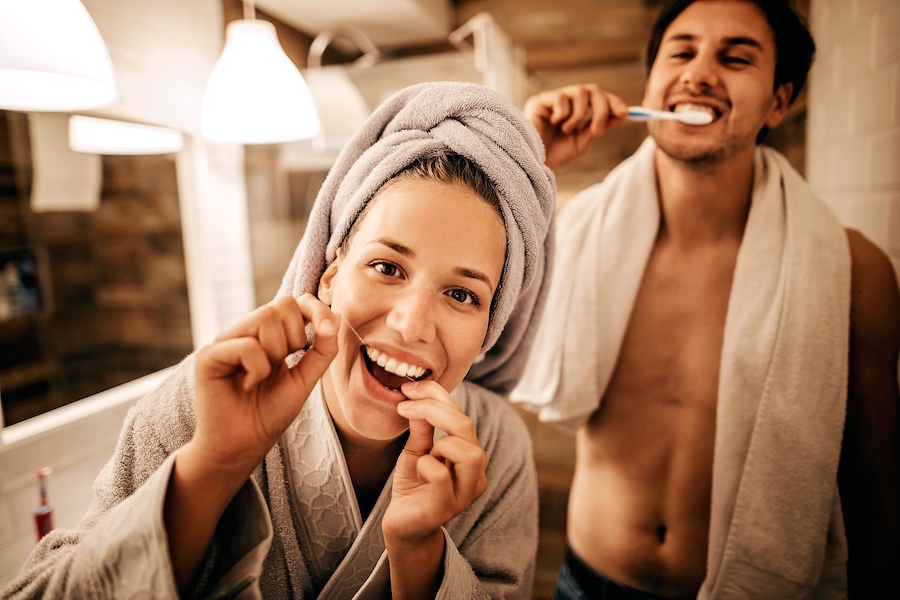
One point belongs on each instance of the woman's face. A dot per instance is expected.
(416, 283)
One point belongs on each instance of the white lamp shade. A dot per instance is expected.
(255, 94)
(52, 57)
(106, 136)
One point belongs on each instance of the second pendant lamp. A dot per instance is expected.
(255, 94)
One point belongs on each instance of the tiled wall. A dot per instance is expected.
(854, 116)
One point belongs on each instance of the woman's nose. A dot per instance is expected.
(412, 316)
(700, 73)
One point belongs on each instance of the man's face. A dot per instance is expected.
(717, 56)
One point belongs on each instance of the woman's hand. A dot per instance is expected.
(433, 482)
(568, 118)
(246, 394)
(246, 397)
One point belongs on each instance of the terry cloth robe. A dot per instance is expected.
(775, 526)
(293, 530)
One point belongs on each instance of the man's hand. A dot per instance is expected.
(568, 118)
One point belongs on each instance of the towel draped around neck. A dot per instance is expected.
(479, 124)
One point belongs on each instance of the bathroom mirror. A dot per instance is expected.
(92, 296)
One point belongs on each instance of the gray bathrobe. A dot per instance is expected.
(294, 530)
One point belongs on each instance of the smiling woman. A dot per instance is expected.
(294, 454)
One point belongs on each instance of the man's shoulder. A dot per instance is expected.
(875, 299)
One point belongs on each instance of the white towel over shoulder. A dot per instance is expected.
(775, 526)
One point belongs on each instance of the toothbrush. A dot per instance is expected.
(690, 117)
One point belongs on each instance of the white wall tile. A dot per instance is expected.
(855, 55)
(883, 168)
(6, 524)
(893, 245)
(840, 20)
(847, 165)
(839, 110)
(873, 104)
(871, 216)
(886, 35)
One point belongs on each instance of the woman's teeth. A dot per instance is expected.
(392, 365)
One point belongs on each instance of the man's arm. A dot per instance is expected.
(869, 474)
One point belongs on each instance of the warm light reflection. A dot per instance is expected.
(104, 136)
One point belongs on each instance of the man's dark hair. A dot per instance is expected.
(794, 46)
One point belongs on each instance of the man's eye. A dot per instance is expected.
(464, 296)
(685, 55)
(736, 60)
(386, 268)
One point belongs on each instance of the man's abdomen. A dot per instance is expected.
(639, 503)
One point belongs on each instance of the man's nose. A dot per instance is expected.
(413, 315)
(701, 73)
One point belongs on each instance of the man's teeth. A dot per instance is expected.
(685, 107)
(392, 365)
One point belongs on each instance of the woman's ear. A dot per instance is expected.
(326, 281)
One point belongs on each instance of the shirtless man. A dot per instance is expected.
(639, 507)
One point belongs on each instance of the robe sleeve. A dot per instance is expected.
(120, 547)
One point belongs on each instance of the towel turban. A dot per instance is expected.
(481, 125)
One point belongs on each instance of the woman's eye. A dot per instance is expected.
(464, 296)
(386, 268)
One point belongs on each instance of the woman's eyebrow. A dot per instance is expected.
(396, 246)
(473, 274)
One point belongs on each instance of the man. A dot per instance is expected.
(725, 349)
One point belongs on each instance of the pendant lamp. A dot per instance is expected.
(52, 58)
(255, 94)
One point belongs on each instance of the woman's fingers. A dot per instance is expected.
(441, 413)
(456, 460)
(258, 343)
(224, 359)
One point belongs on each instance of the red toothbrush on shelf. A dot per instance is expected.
(43, 514)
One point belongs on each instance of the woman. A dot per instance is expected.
(315, 449)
